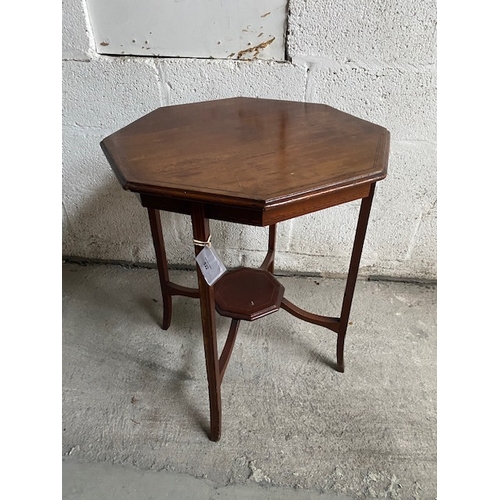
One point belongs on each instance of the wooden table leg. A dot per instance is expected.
(352, 275)
(201, 232)
(268, 263)
(162, 263)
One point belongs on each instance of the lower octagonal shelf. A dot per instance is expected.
(247, 294)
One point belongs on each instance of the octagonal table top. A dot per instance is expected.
(247, 152)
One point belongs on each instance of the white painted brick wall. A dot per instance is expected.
(374, 59)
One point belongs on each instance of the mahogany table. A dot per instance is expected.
(249, 161)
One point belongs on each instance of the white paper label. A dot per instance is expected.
(210, 264)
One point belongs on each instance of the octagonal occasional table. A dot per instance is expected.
(249, 161)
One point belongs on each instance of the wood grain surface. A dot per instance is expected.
(247, 152)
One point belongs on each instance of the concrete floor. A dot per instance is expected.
(135, 403)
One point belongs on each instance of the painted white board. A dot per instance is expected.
(222, 29)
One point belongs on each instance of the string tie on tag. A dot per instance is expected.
(207, 243)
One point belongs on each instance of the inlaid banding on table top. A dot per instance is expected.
(249, 151)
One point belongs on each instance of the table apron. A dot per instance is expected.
(259, 217)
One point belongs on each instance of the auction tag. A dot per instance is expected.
(210, 264)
